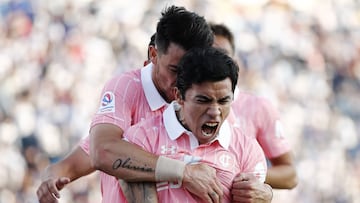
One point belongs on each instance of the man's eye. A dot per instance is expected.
(202, 100)
(173, 70)
(225, 101)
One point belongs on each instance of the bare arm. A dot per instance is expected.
(282, 173)
(56, 176)
(144, 192)
(116, 157)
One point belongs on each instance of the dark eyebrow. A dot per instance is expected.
(226, 97)
(207, 98)
(202, 97)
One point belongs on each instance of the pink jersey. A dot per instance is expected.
(126, 100)
(230, 153)
(257, 117)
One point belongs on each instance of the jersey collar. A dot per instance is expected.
(152, 95)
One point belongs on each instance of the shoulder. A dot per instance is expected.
(133, 75)
(249, 97)
(252, 100)
(124, 84)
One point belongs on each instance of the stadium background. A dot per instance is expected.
(55, 56)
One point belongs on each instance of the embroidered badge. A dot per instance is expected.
(225, 159)
(107, 103)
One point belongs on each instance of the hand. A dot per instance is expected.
(201, 180)
(248, 189)
(48, 191)
(144, 192)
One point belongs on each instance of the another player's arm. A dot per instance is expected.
(56, 176)
(282, 173)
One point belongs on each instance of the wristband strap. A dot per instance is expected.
(168, 169)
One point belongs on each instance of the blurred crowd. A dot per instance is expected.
(55, 56)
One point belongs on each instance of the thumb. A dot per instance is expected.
(246, 176)
(61, 182)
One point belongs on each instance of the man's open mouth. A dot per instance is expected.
(209, 129)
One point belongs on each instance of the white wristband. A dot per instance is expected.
(168, 169)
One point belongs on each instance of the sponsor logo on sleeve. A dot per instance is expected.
(107, 103)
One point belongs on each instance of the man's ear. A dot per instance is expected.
(175, 92)
(153, 54)
(177, 95)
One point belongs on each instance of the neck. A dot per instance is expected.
(181, 119)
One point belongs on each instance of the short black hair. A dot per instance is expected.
(223, 30)
(151, 43)
(184, 28)
(152, 40)
(200, 65)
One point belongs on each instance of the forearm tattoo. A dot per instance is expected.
(128, 164)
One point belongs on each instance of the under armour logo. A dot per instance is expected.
(168, 150)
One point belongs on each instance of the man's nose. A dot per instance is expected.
(214, 110)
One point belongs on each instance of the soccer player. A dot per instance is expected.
(127, 99)
(260, 119)
(193, 128)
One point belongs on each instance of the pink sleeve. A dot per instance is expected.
(269, 130)
(116, 105)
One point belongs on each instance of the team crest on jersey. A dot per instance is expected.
(225, 159)
(107, 103)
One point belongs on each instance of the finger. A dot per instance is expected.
(241, 199)
(241, 194)
(44, 194)
(246, 176)
(243, 185)
(50, 199)
(242, 177)
(61, 182)
(208, 199)
(218, 188)
(52, 188)
(39, 192)
(47, 198)
(243, 182)
(214, 197)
